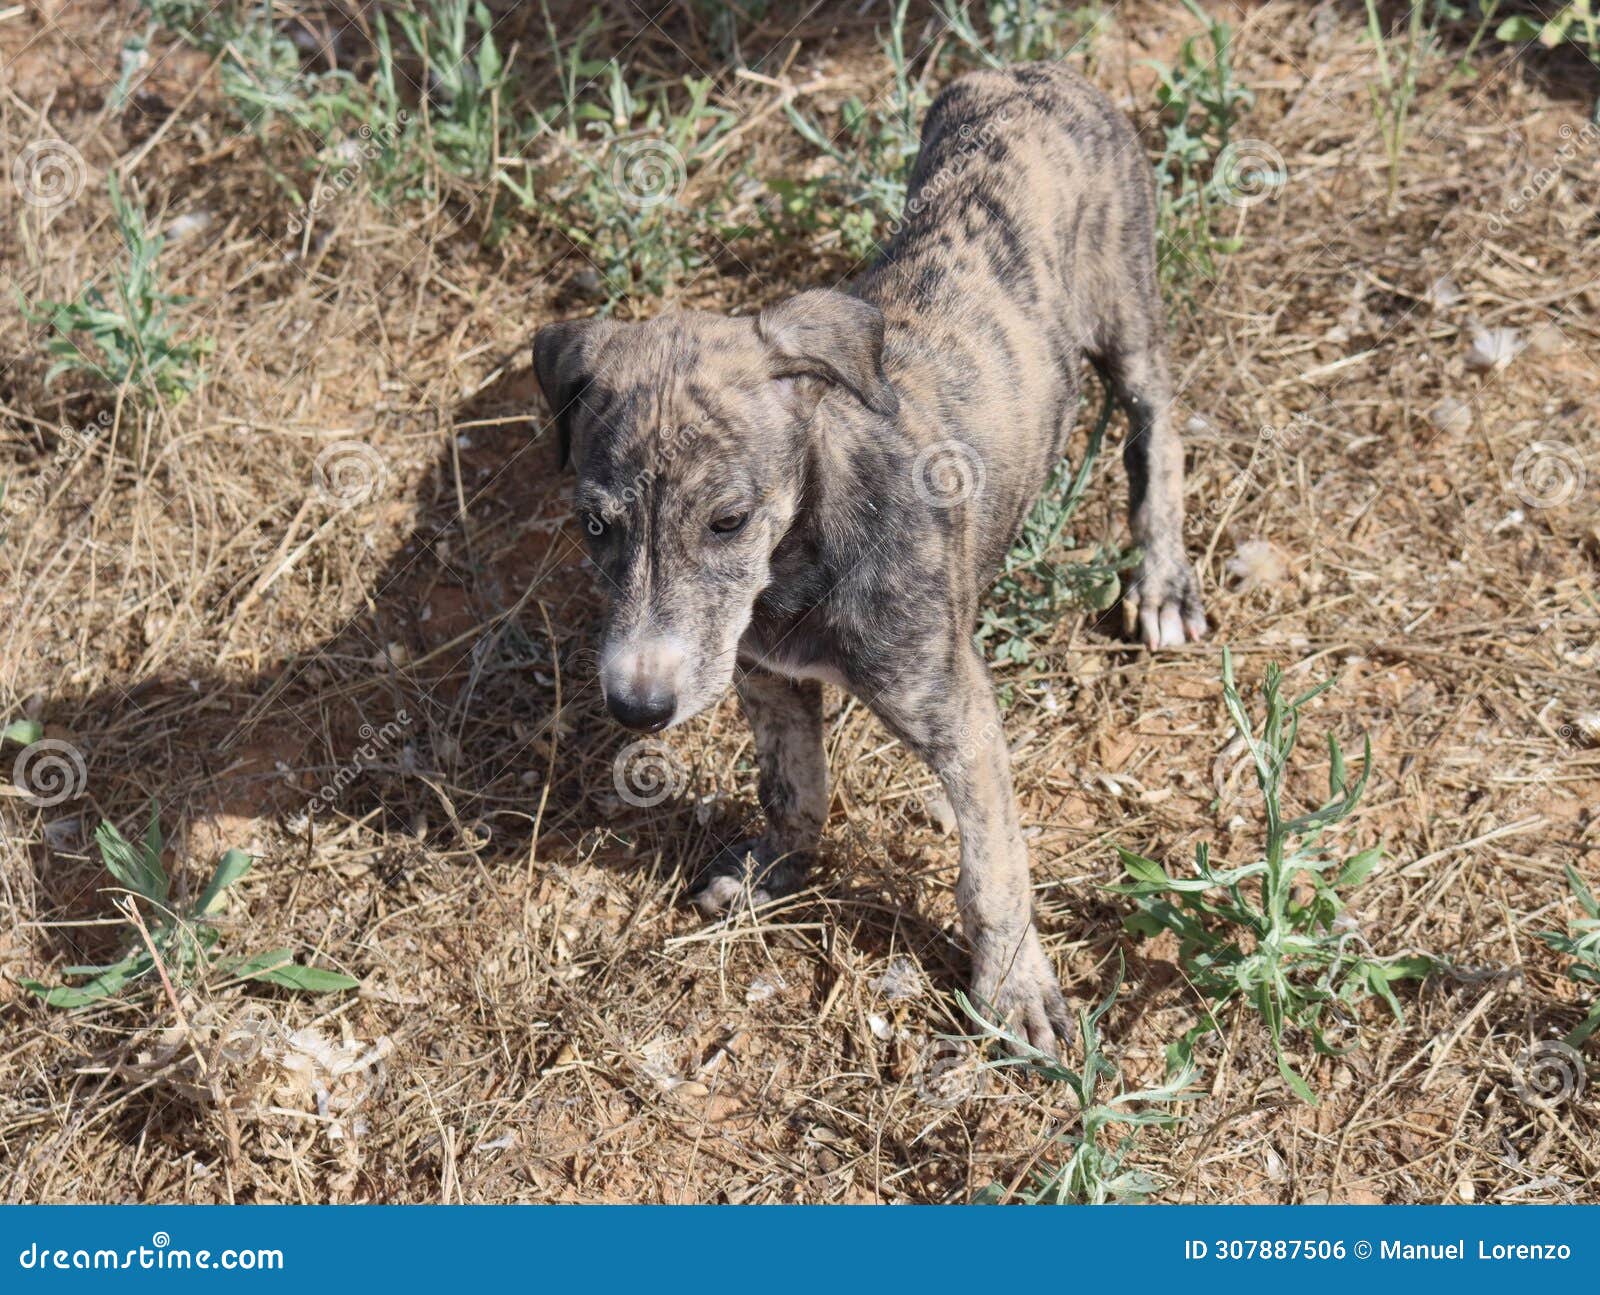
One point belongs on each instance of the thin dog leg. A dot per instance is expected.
(949, 718)
(786, 719)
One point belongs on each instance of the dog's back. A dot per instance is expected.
(1028, 241)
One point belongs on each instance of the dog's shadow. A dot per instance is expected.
(456, 710)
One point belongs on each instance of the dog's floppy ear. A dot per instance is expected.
(832, 336)
(563, 361)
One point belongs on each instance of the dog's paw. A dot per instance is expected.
(746, 874)
(1164, 600)
(1020, 986)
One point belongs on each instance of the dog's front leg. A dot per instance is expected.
(1163, 591)
(786, 719)
(950, 719)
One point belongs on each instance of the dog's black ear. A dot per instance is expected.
(563, 361)
(832, 336)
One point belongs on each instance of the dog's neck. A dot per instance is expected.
(854, 483)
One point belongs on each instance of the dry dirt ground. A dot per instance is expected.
(540, 1017)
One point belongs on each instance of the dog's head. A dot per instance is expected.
(691, 436)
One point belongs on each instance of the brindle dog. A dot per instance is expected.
(821, 493)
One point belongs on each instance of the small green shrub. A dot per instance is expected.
(1199, 101)
(1582, 945)
(183, 940)
(871, 153)
(1095, 1169)
(1269, 933)
(1020, 31)
(125, 337)
(629, 159)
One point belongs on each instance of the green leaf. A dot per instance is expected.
(104, 985)
(278, 967)
(1142, 869)
(233, 865)
(1359, 868)
(1584, 894)
(25, 732)
(133, 866)
(1518, 28)
(1302, 1090)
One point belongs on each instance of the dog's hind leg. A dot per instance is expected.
(1163, 588)
(948, 716)
(786, 719)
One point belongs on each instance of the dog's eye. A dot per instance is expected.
(729, 523)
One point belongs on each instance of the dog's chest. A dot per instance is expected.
(792, 660)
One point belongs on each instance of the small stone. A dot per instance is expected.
(1546, 339)
(1451, 415)
(1493, 348)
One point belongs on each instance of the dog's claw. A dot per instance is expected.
(1168, 604)
(749, 873)
(1025, 994)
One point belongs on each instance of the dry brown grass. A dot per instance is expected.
(540, 1017)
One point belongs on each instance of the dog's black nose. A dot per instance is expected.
(648, 712)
